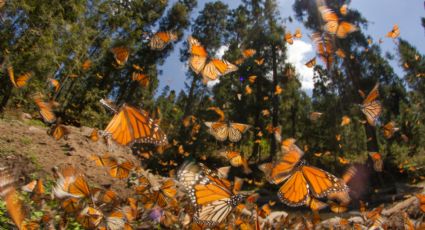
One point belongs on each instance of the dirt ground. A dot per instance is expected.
(26, 147)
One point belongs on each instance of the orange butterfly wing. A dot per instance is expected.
(131, 125)
(122, 170)
(322, 183)
(294, 192)
(46, 110)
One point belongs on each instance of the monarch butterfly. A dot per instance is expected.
(46, 110)
(218, 111)
(58, 131)
(315, 204)
(340, 53)
(9, 195)
(211, 196)
(20, 81)
(71, 204)
(248, 90)
(298, 33)
(236, 160)
(94, 135)
(278, 90)
(120, 55)
(90, 217)
(160, 39)
(371, 107)
(343, 9)
(86, 65)
(79, 188)
(289, 38)
(259, 61)
(394, 33)
(121, 170)
(162, 196)
(55, 83)
(300, 179)
(324, 47)
(105, 160)
(389, 129)
(35, 186)
(333, 25)
(421, 199)
(143, 79)
(346, 120)
(227, 130)
(131, 125)
(314, 116)
(252, 79)
(248, 53)
(198, 62)
(377, 161)
(311, 63)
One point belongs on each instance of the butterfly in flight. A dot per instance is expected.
(211, 196)
(210, 70)
(301, 182)
(394, 33)
(20, 81)
(46, 110)
(226, 130)
(161, 39)
(130, 125)
(120, 55)
(371, 107)
(334, 25)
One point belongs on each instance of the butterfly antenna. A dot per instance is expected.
(109, 105)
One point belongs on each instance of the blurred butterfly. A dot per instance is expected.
(143, 79)
(298, 33)
(9, 195)
(324, 47)
(377, 161)
(55, 84)
(160, 39)
(58, 131)
(343, 9)
(20, 81)
(333, 25)
(90, 217)
(120, 55)
(389, 129)
(315, 204)
(45, 108)
(37, 189)
(248, 53)
(211, 196)
(421, 199)
(236, 160)
(86, 64)
(301, 180)
(211, 70)
(252, 79)
(278, 90)
(121, 170)
(311, 63)
(314, 116)
(343, 160)
(394, 33)
(259, 61)
(340, 53)
(131, 125)
(218, 111)
(371, 107)
(248, 90)
(226, 130)
(289, 38)
(346, 120)
(94, 135)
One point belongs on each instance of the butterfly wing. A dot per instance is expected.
(219, 130)
(161, 39)
(322, 183)
(121, 55)
(46, 110)
(131, 125)
(294, 192)
(198, 53)
(372, 111)
(216, 68)
(345, 28)
(311, 63)
(236, 130)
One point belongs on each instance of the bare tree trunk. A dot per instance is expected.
(275, 103)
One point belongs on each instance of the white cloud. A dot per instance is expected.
(220, 52)
(298, 54)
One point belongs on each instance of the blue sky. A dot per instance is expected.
(381, 14)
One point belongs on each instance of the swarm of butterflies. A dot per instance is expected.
(195, 196)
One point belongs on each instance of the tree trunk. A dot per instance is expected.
(275, 103)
